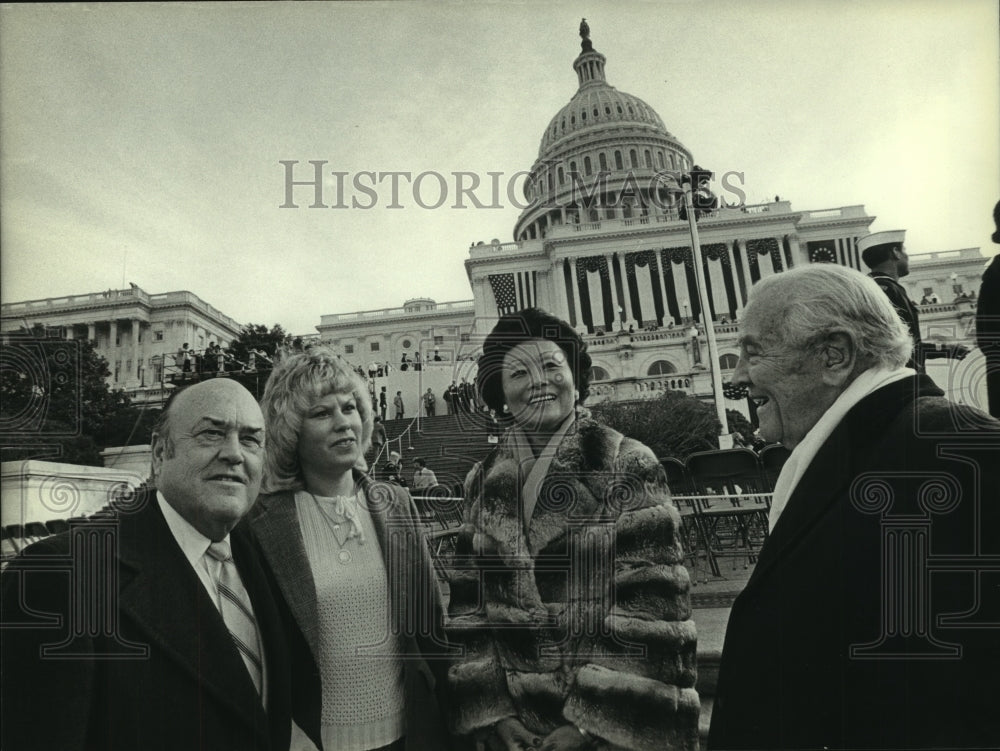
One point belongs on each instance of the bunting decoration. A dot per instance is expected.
(680, 255)
(734, 392)
(764, 246)
(716, 252)
(642, 258)
(591, 263)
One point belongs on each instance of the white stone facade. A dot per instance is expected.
(136, 332)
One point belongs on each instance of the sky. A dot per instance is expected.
(143, 143)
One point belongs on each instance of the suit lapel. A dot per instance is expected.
(162, 594)
(276, 525)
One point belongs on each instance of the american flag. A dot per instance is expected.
(514, 291)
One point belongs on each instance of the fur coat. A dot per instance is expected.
(584, 619)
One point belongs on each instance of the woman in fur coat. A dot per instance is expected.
(569, 592)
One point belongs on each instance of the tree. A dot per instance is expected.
(53, 393)
(738, 423)
(674, 424)
(256, 336)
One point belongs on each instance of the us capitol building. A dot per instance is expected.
(614, 258)
(604, 244)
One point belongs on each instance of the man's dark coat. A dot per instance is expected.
(843, 638)
(177, 681)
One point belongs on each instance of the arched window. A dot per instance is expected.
(728, 361)
(633, 157)
(562, 176)
(661, 367)
(618, 161)
(649, 159)
(597, 373)
(603, 158)
(587, 166)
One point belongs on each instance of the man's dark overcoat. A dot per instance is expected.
(865, 622)
(165, 673)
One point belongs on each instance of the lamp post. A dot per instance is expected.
(685, 305)
(691, 182)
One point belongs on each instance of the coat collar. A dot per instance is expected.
(165, 598)
(275, 522)
(844, 455)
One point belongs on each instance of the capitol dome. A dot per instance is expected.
(601, 132)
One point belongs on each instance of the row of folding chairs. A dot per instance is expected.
(16, 537)
(724, 498)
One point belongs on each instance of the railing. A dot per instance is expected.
(844, 212)
(95, 298)
(649, 387)
(188, 298)
(118, 296)
(458, 306)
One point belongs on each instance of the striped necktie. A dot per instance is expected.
(237, 612)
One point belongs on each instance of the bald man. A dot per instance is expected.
(155, 626)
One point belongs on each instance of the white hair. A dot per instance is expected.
(819, 299)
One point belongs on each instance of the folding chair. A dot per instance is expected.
(695, 547)
(730, 504)
(35, 531)
(15, 533)
(56, 526)
(7, 549)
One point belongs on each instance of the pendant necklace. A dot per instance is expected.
(344, 507)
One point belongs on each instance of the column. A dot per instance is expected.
(630, 317)
(136, 352)
(543, 293)
(781, 252)
(69, 331)
(558, 277)
(796, 251)
(113, 349)
(92, 333)
(658, 285)
(735, 271)
(745, 265)
(719, 301)
(479, 298)
(577, 307)
(615, 283)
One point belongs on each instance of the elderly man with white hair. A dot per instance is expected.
(871, 618)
